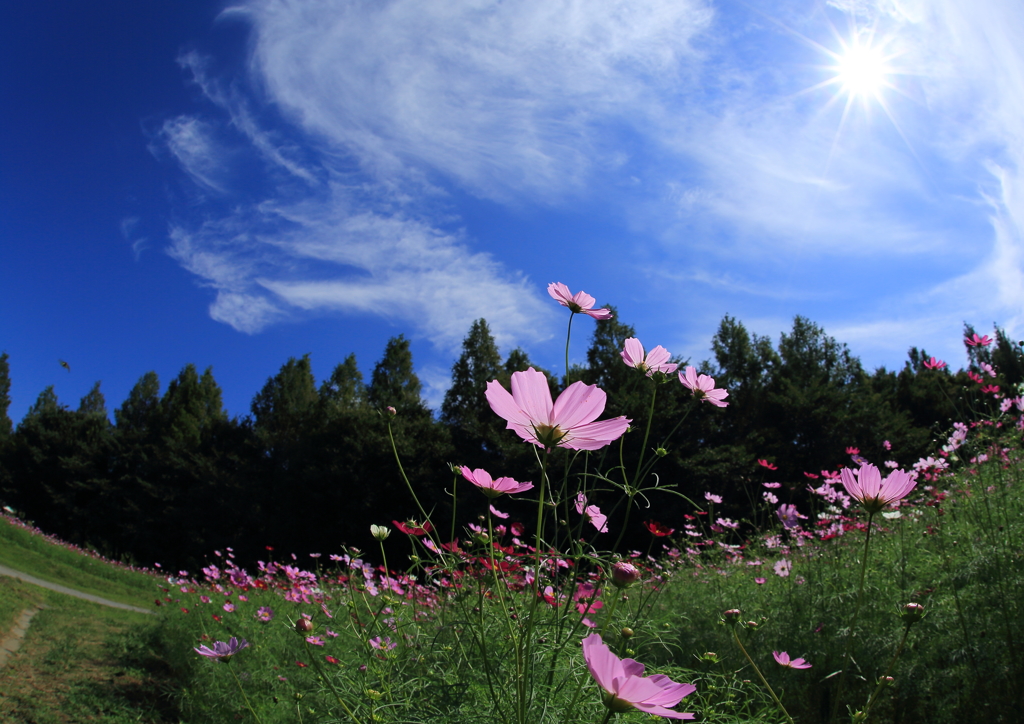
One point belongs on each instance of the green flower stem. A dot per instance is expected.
(326, 679)
(401, 469)
(608, 717)
(524, 646)
(853, 621)
(611, 612)
(736, 636)
(568, 336)
(881, 681)
(631, 489)
(242, 691)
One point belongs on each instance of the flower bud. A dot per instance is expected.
(886, 680)
(661, 452)
(732, 616)
(911, 613)
(710, 657)
(626, 632)
(392, 411)
(624, 574)
(380, 532)
(304, 625)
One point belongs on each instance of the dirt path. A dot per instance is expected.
(24, 577)
(13, 640)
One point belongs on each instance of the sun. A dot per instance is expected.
(862, 69)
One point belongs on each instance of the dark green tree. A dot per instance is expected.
(5, 399)
(59, 463)
(344, 389)
(93, 403)
(394, 383)
(284, 409)
(475, 429)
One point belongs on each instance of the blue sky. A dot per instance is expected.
(232, 185)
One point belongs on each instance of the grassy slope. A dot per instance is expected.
(32, 554)
(80, 661)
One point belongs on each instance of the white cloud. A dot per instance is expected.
(687, 119)
(506, 99)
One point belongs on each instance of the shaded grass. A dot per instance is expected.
(82, 662)
(15, 597)
(29, 553)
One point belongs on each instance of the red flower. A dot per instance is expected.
(812, 476)
(413, 528)
(853, 451)
(975, 341)
(766, 464)
(330, 660)
(301, 665)
(658, 529)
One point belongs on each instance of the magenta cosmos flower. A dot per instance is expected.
(222, 651)
(626, 687)
(570, 422)
(867, 486)
(493, 488)
(578, 303)
(703, 387)
(783, 658)
(654, 361)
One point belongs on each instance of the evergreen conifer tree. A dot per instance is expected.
(394, 383)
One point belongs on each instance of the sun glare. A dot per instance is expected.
(862, 70)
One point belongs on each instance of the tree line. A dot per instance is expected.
(172, 477)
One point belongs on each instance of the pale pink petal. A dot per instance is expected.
(689, 378)
(596, 435)
(578, 404)
(532, 395)
(560, 292)
(633, 352)
(504, 405)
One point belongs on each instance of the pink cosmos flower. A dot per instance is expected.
(570, 422)
(264, 613)
(867, 486)
(412, 528)
(788, 515)
(703, 387)
(975, 341)
(593, 513)
(934, 364)
(975, 377)
(988, 369)
(782, 567)
(853, 451)
(711, 497)
(655, 361)
(626, 687)
(658, 529)
(783, 658)
(578, 303)
(990, 388)
(382, 644)
(493, 488)
(766, 464)
(222, 651)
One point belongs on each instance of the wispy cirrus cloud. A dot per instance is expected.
(692, 120)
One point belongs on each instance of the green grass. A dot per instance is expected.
(31, 553)
(82, 662)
